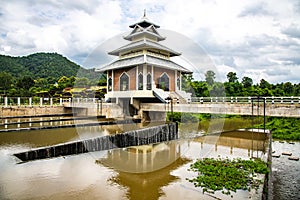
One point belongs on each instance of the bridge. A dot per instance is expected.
(275, 106)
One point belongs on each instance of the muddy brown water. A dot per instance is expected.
(156, 171)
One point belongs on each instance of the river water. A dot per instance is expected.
(285, 172)
(116, 174)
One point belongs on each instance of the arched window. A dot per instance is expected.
(109, 84)
(149, 80)
(124, 82)
(140, 81)
(163, 82)
(178, 83)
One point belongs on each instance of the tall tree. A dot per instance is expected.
(210, 77)
(247, 82)
(232, 78)
(187, 80)
(264, 84)
(6, 81)
(25, 82)
(288, 89)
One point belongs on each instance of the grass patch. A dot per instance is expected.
(227, 175)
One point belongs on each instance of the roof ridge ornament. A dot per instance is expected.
(145, 15)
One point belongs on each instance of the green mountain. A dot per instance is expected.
(42, 65)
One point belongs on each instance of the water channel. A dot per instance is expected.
(156, 171)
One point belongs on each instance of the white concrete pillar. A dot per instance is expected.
(41, 101)
(176, 87)
(180, 81)
(19, 101)
(152, 77)
(137, 78)
(145, 77)
(51, 102)
(60, 102)
(30, 101)
(112, 80)
(5, 101)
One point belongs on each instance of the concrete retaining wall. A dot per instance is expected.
(33, 111)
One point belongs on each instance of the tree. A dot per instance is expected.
(64, 82)
(82, 82)
(25, 82)
(210, 77)
(232, 78)
(288, 89)
(264, 84)
(200, 89)
(187, 80)
(102, 81)
(6, 81)
(41, 84)
(247, 82)
(217, 90)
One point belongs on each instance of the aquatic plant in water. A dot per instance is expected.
(227, 175)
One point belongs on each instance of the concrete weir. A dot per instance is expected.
(151, 135)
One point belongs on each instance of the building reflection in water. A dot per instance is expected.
(142, 159)
(145, 170)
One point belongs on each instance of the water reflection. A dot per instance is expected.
(156, 171)
(148, 185)
(141, 159)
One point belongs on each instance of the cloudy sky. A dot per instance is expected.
(254, 38)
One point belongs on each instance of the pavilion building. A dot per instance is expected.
(144, 71)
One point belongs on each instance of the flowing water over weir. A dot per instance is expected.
(151, 135)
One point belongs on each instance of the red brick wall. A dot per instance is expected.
(131, 71)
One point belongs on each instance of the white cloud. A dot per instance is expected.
(251, 37)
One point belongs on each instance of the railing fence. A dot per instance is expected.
(39, 101)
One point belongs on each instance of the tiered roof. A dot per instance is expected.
(144, 48)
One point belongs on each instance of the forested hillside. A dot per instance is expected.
(46, 73)
(40, 65)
